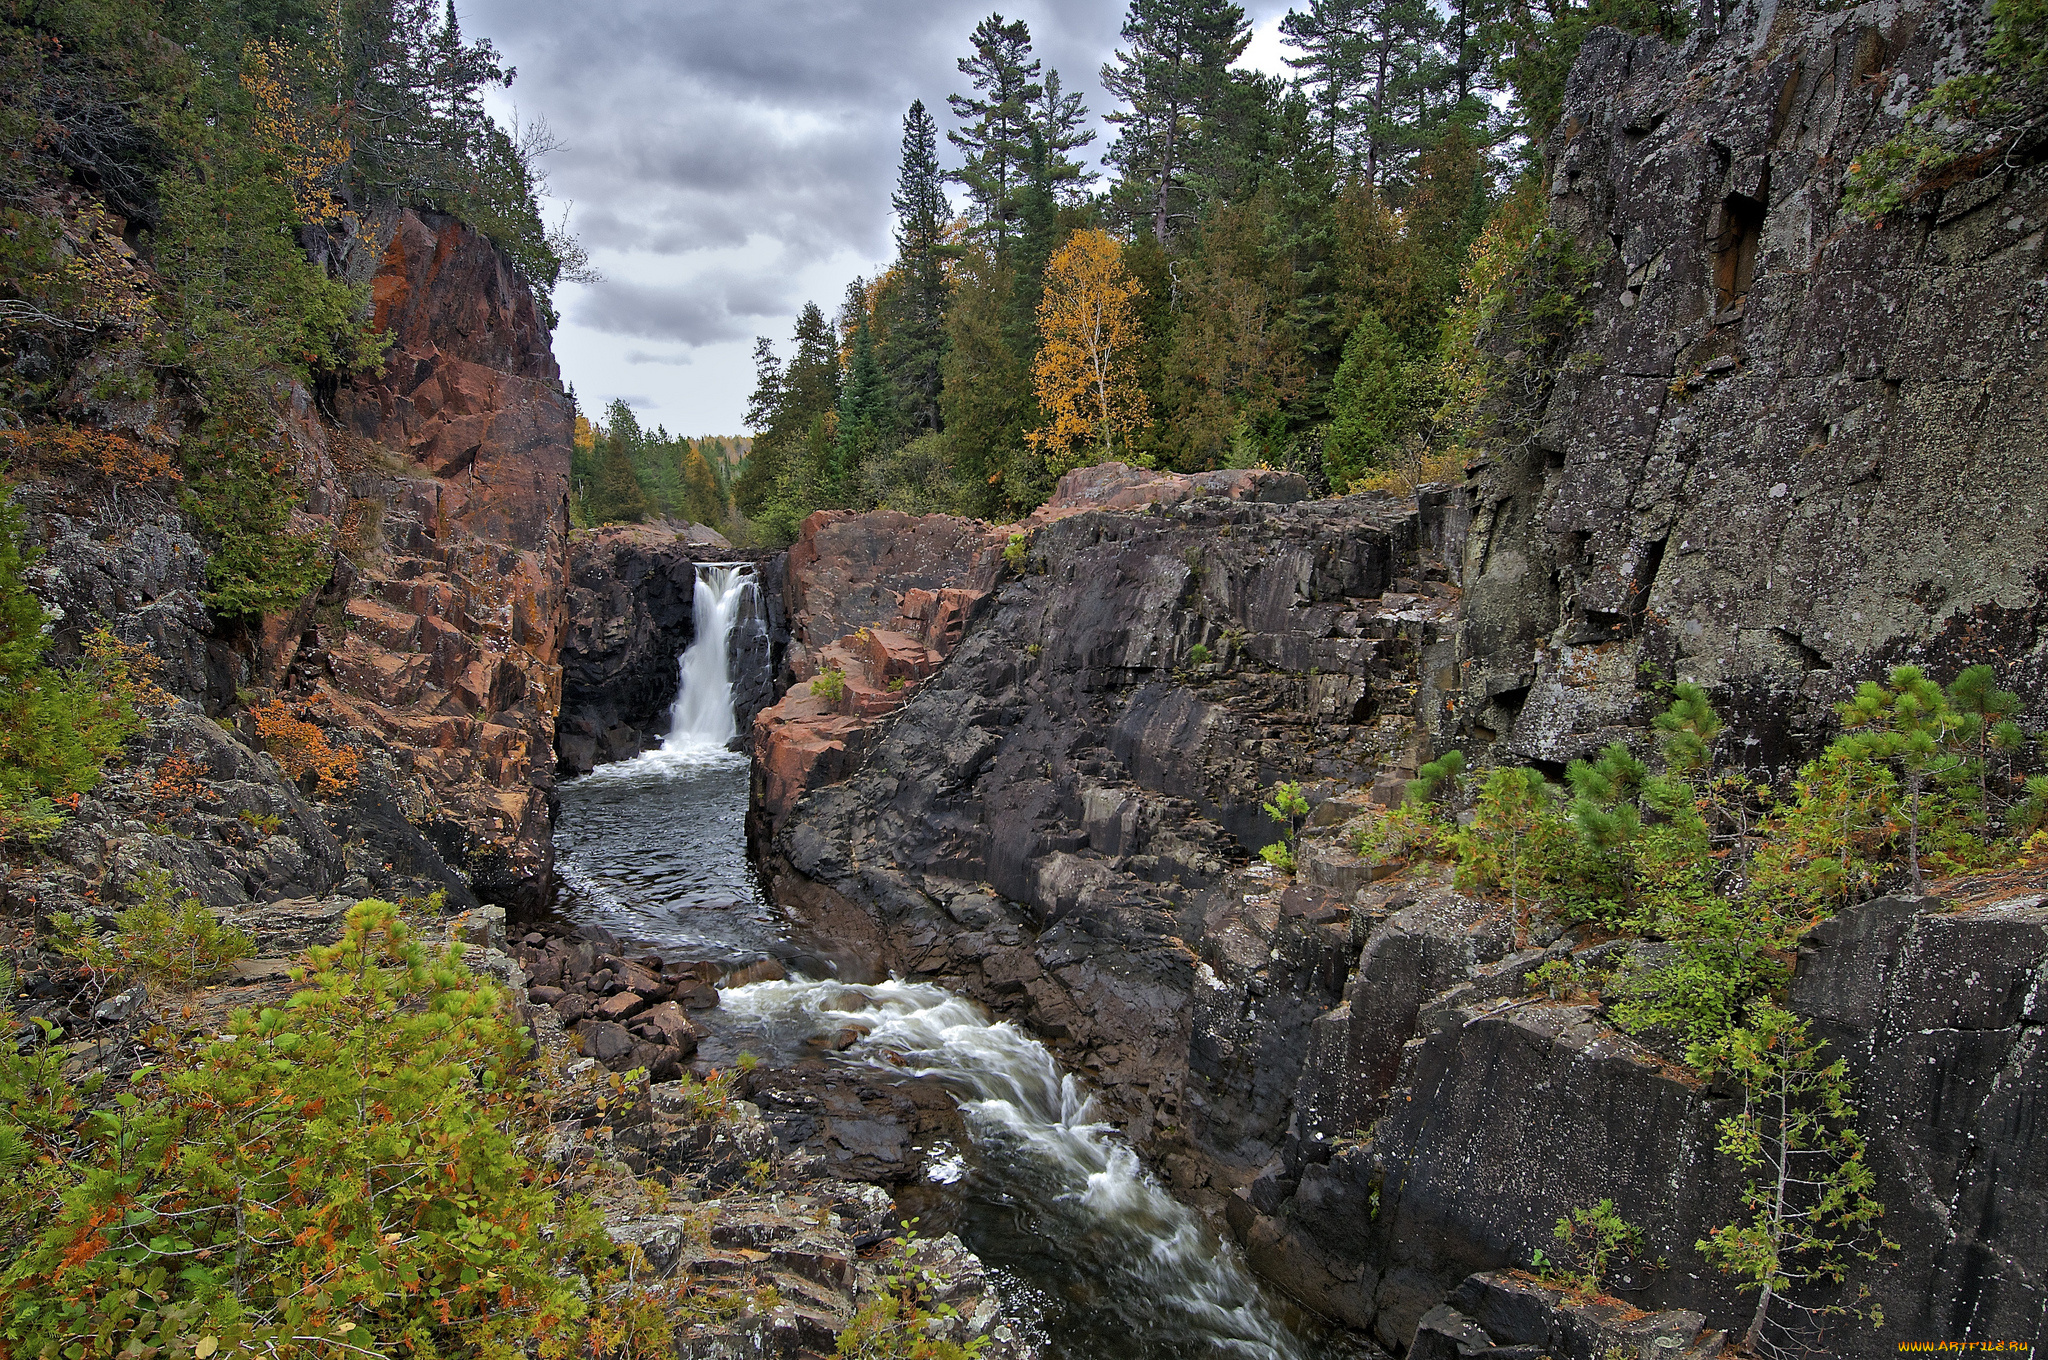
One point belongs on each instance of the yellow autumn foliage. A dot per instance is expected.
(1086, 372)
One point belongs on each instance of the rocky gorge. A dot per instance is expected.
(1008, 784)
(1760, 481)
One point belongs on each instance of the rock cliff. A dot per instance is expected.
(1782, 451)
(434, 646)
(1787, 449)
(441, 633)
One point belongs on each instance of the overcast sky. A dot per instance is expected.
(730, 159)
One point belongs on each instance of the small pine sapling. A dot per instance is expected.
(1290, 808)
(1592, 1237)
(1975, 694)
(1439, 781)
(829, 684)
(1909, 723)
(1514, 835)
(1686, 731)
(1810, 1202)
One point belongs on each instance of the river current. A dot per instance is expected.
(1096, 1260)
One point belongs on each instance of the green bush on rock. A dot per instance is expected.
(351, 1172)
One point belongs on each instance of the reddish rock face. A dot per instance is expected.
(885, 597)
(448, 488)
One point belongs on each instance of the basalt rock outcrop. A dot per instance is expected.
(882, 598)
(1787, 449)
(440, 482)
(1048, 819)
(440, 635)
(1783, 451)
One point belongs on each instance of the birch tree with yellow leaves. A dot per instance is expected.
(1086, 371)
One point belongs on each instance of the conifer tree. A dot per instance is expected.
(756, 482)
(1175, 65)
(986, 399)
(810, 385)
(702, 500)
(1369, 403)
(1332, 61)
(866, 418)
(1908, 721)
(1060, 121)
(616, 496)
(916, 343)
(996, 138)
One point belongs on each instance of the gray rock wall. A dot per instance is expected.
(1781, 490)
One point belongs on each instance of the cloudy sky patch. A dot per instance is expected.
(729, 160)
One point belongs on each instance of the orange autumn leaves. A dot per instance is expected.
(1086, 370)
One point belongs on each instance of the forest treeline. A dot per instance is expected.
(620, 473)
(1281, 271)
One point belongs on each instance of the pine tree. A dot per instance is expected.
(810, 386)
(702, 501)
(1370, 406)
(1909, 722)
(915, 352)
(616, 496)
(1377, 66)
(1332, 61)
(1175, 66)
(1060, 121)
(996, 140)
(866, 419)
(1235, 364)
(987, 399)
(756, 483)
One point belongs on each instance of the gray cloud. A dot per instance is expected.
(641, 356)
(701, 312)
(768, 129)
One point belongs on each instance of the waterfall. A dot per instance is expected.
(1093, 1218)
(702, 717)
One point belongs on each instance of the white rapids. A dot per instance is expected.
(1163, 1276)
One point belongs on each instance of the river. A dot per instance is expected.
(1096, 1259)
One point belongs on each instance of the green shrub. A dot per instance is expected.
(1198, 655)
(163, 944)
(59, 726)
(829, 684)
(1015, 553)
(1518, 838)
(355, 1164)
(1566, 980)
(1280, 855)
(898, 1324)
(1591, 1237)
(1438, 780)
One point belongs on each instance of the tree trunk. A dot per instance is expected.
(1913, 829)
(1165, 177)
(1756, 1321)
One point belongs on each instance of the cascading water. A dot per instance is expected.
(702, 714)
(1117, 1266)
(655, 847)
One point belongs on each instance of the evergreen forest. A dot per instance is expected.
(1285, 272)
